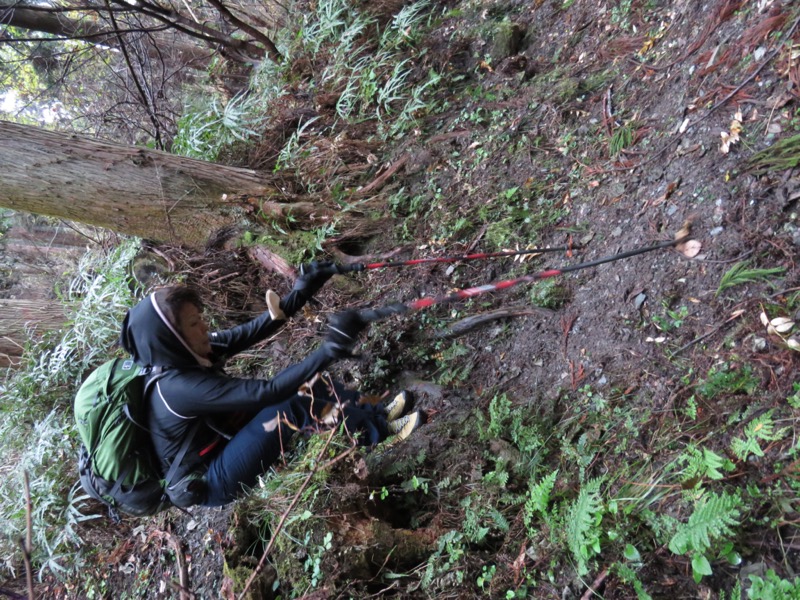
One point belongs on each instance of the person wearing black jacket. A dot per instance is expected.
(167, 331)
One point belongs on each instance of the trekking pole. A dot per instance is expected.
(399, 307)
(451, 259)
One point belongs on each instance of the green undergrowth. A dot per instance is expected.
(38, 427)
(595, 482)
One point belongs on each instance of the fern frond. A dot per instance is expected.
(712, 519)
(539, 495)
(742, 448)
(583, 519)
(760, 428)
(703, 463)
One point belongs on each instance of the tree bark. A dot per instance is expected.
(18, 318)
(136, 191)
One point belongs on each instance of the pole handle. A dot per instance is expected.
(376, 314)
(352, 268)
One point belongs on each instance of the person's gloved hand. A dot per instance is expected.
(343, 329)
(313, 276)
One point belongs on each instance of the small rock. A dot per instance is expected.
(639, 300)
(716, 231)
(617, 232)
(758, 344)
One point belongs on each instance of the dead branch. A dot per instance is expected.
(272, 261)
(347, 259)
(595, 585)
(27, 542)
(285, 515)
(381, 179)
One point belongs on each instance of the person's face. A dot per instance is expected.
(194, 330)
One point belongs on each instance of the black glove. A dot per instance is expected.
(313, 276)
(343, 329)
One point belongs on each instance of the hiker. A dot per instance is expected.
(193, 394)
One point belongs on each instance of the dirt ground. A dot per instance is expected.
(542, 89)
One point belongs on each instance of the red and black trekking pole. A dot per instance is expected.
(399, 307)
(450, 259)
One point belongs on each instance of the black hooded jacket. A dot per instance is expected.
(193, 387)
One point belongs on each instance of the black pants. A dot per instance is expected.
(260, 443)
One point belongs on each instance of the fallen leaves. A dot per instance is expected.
(731, 137)
(780, 327)
(689, 248)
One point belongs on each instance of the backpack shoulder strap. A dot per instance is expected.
(176, 463)
(155, 374)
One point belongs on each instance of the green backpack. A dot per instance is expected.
(117, 465)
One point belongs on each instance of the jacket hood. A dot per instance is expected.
(152, 340)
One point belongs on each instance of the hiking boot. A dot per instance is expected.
(404, 426)
(399, 405)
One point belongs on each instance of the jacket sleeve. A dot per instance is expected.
(203, 392)
(232, 341)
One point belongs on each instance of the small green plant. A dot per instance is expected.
(441, 567)
(740, 274)
(313, 563)
(548, 293)
(451, 370)
(293, 148)
(760, 428)
(583, 525)
(621, 13)
(485, 578)
(622, 138)
(691, 408)
(499, 415)
(726, 380)
(673, 320)
(772, 587)
(713, 518)
(210, 126)
(794, 399)
(702, 463)
(538, 499)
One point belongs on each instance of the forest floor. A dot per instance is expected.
(573, 435)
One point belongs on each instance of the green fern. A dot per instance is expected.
(539, 497)
(760, 428)
(712, 519)
(739, 274)
(702, 463)
(499, 414)
(772, 587)
(583, 520)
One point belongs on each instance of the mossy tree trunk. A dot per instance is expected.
(136, 191)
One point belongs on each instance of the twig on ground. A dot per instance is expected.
(739, 258)
(716, 329)
(285, 515)
(183, 573)
(595, 584)
(27, 542)
(782, 292)
(383, 177)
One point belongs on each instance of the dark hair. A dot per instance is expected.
(172, 299)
